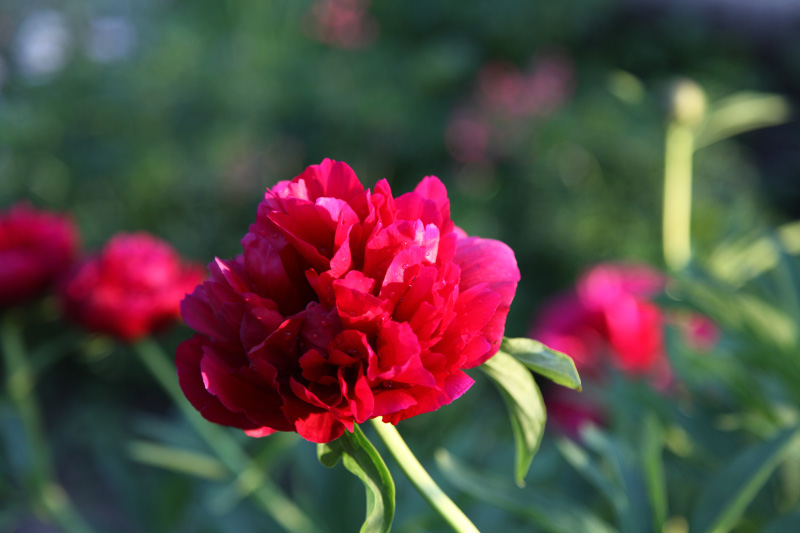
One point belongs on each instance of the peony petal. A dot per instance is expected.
(258, 402)
(270, 274)
(391, 401)
(491, 262)
(358, 309)
(199, 316)
(314, 425)
(187, 361)
(399, 357)
(331, 178)
(259, 432)
(487, 261)
(359, 395)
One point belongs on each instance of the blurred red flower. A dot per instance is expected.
(347, 304)
(35, 248)
(131, 288)
(608, 319)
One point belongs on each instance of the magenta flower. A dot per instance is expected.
(608, 319)
(347, 304)
(132, 288)
(35, 248)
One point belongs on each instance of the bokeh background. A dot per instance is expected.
(546, 121)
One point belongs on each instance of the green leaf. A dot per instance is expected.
(729, 493)
(553, 514)
(631, 502)
(592, 472)
(525, 406)
(742, 112)
(652, 447)
(556, 366)
(361, 458)
(176, 459)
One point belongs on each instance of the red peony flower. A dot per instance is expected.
(132, 288)
(347, 304)
(35, 248)
(608, 319)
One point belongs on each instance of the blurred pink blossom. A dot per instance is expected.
(505, 101)
(608, 319)
(543, 88)
(342, 23)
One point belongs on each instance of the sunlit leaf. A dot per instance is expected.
(176, 459)
(739, 260)
(554, 515)
(525, 407)
(554, 365)
(742, 112)
(360, 457)
(728, 494)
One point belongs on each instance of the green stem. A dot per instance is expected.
(267, 494)
(678, 150)
(421, 480)
(20, 382)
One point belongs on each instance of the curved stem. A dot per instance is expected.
(421, 480)
(20, 382)
(251, 480)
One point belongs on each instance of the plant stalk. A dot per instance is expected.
(421, 480)
(678, 150)
(20, 383)
(267, 494)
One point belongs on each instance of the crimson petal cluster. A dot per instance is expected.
(347, 304)
(36, 247)
(132, 288)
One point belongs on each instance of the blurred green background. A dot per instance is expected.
(545, 120)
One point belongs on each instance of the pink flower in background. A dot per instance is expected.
(505, 102)
(35, 248)
(132, 288)
(342, 23)
(347, 304)
(608, 319)
(507, 91)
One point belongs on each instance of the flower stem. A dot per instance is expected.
(678, 150)
(20, 382)
(267, 494)
(421, 480)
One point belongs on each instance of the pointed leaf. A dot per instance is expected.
(176, 459)
(525, 407)
(742, 112)
(652, 448)
(552, 514)
(360, 457)
(632, 505)
(556, 366)
(728, 494)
